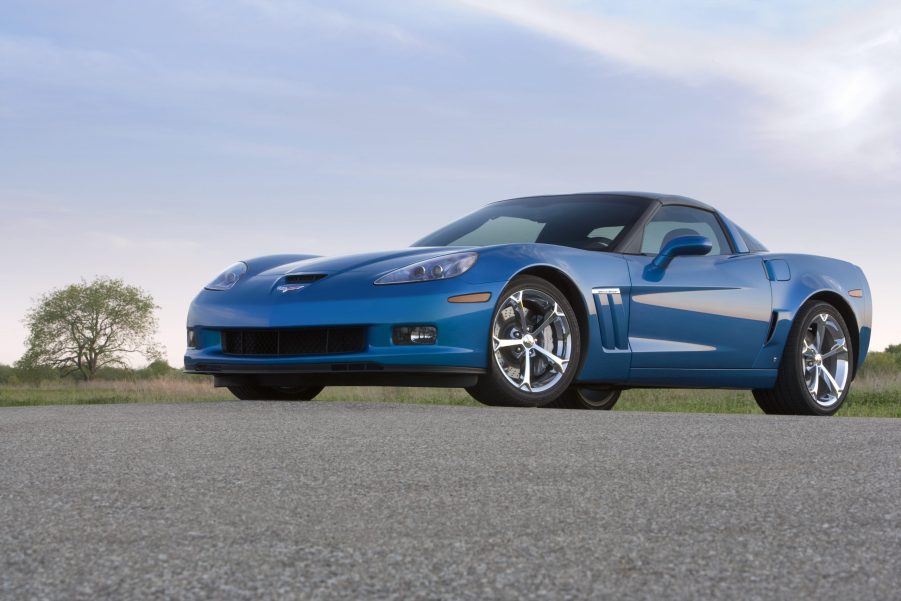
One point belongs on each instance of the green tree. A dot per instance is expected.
(6, 373)
(893, 349)
(158, 369)
(85, 327)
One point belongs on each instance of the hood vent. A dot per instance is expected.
(304, 278)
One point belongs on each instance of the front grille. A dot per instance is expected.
(295, 341)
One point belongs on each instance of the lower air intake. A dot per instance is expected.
(294, 341)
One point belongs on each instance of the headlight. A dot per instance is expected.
(228, 278)
(439, 268)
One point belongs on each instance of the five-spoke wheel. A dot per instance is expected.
(825, 360)
(535, 346)
(532, 340)
(817, 365)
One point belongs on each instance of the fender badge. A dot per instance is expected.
(284, 289)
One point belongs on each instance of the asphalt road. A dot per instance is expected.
(353, 501)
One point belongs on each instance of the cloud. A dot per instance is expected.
(296, 13)
(40, 60)
(131, 243)
(832, 97)
(138, 95)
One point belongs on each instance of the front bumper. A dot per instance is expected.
(461, 348)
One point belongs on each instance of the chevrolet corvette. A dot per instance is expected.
(549, 301)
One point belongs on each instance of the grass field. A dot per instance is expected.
(873, 395)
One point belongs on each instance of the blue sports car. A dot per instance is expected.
(548, 301)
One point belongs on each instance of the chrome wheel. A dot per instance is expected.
(818, 365)
(825, 360)
(532, 340)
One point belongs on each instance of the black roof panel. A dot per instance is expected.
(667, 199)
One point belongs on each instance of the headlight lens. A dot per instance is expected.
(228, 278)
(439, 268)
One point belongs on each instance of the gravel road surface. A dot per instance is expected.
(380, 501)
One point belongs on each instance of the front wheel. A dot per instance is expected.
(815, 375)
(252, 392)
(534, 345)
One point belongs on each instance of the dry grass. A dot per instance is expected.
(874, 395)
(156, 390)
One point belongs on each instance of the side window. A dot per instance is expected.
(674, 222)
(754, 245)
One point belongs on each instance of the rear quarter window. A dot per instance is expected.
(754, 245)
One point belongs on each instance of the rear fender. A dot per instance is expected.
(817, 278)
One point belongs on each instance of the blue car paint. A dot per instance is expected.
(811, 277)
(708, 312)
(336, 300)
(777, 270)
(706, 321)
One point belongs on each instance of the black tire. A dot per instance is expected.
(791, 395)
(494, 389)
(587, 398)
(253, 392)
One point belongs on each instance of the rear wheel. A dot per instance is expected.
(815, 375)
(253, 392)
(534, 344)
(587, 398)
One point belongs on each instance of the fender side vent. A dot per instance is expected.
(774, 319)
(612, 318)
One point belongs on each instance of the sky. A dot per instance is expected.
(161, 141)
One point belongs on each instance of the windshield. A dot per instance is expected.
(595, 223)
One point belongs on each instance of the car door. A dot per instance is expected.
(699, 312)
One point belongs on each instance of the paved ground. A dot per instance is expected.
(345, 501)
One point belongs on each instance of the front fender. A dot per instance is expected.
(577, 273)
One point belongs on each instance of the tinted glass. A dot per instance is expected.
(590, 224)
(674, 222)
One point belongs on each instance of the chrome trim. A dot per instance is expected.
(605, 291)
(285, 288)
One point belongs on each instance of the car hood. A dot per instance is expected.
(375, 262)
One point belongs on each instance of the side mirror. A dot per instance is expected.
(682, 246)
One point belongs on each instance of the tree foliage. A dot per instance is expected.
(85, 327)
(893, 349)
(159, 369)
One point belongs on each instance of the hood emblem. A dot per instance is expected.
(285, 288)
